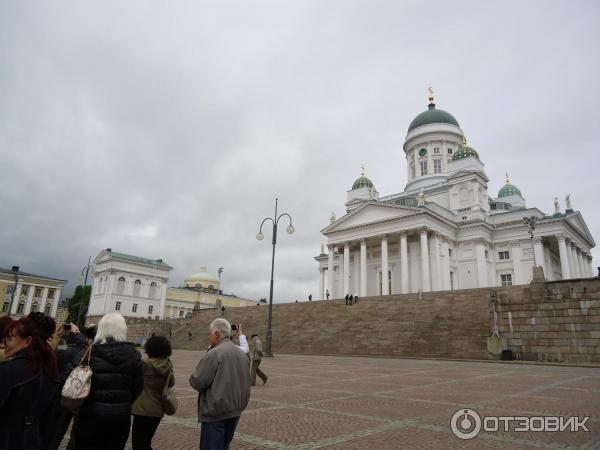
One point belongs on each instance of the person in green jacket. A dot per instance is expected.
(147, 409)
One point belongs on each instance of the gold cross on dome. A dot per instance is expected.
(430, 94)
(362, 170)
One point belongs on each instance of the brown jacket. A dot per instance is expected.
(156, 371)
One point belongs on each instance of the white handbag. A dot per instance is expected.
(79, 382)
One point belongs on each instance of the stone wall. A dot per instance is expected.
(552, 321)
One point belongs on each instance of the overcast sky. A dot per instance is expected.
(167, 129)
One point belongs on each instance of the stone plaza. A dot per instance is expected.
(336, 402)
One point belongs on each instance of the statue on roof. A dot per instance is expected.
(556, 206)
(568, 201)
(421, 198)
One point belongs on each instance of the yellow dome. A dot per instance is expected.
(202, 279)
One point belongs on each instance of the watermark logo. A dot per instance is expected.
(467, 423)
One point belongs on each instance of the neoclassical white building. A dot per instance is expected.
(136, 286)
(444, 231)
(131, 285)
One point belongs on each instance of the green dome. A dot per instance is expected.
(508, 190)
(465, 152)
(362, 182)
(432, 115)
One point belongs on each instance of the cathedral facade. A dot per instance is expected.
(445, 231)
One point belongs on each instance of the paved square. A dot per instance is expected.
(332, 402)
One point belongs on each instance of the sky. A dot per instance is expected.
(167, 129)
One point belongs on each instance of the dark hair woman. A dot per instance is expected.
(5, 321)
(148, 410)
(27, 389)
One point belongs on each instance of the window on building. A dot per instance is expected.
(504, 255)
(437, 166)
(137, 287)
(150, 309)
(423, 167)
(5, 306)
(506, 279)
(118, 306)
(21, 307)
(180, 313)
(412, 170)
(10, 289)
(450, 252)
(35, 307)
(153, 289)
(51, 294)
(48, 308)
(38, 292)
(449, 151)
(134, 307)
(25, 290)
(487, 254)
(436, 150)
(121, 285)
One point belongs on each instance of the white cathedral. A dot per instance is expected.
(444, 231)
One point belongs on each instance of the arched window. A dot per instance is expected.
(198, 285)
(35, 307)
(48, 309)
(153, 290)
(137, 286)
(121, 285)
(21, 307)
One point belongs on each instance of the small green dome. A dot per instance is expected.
(362, 182)
(508, 190)
(432, 115)
(465, 152)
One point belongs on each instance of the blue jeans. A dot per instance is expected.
(217, 435)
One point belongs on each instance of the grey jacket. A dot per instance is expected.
(222, 378)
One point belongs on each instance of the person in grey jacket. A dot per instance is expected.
(222, 378)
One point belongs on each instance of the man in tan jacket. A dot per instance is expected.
(257, 355)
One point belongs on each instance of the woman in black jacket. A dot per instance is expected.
(27, 389)
(117, 379)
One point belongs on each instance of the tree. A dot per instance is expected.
(74, 303)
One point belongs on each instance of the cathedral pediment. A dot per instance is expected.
(577, 222)
(371, 212)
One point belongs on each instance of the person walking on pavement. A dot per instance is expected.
(327, 294)
(257, 355)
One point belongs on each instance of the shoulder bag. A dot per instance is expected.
(79, 382)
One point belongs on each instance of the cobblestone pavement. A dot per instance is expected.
(332, 402)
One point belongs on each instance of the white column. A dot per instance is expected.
(425, 276)
(321, 295)
(538, 251)
(29, 300)
(436, 268)
(564, 258)
(45, 299)
(516, 254)
(572, 260)
(590, 259)
(403, 263)
(482, 272)
(580, 263)
(548, 264)
(363, 268)
(346, 268)
(108, 293)
(355, 287)
(163, 301)
(15, 298)
(55, 302)
(445, 265)
(385, 281)
(330, 271)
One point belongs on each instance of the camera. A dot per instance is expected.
(67, 326)
(234, 327)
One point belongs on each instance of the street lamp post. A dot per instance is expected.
(260, 236)
(87, 270)
(530, 222)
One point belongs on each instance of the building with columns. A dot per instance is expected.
(28, 292)
(445, 231)
(138, 287)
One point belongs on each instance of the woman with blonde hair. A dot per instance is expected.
(104, 419)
